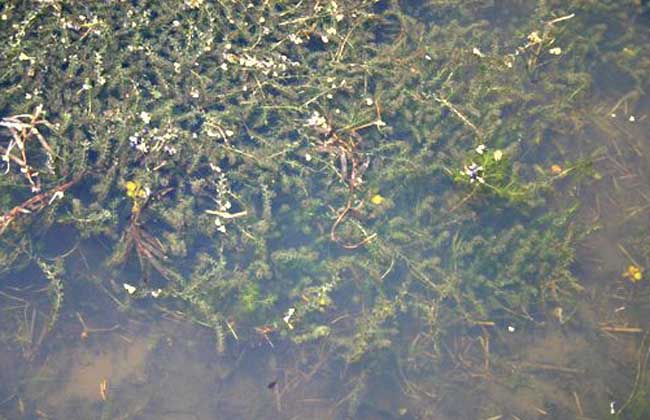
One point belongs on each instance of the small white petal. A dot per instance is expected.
(56, 196)
(287, 317)
(129, 289)
(145, 117)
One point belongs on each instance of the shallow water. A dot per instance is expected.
(105, 358)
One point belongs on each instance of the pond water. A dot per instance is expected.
(325, 210)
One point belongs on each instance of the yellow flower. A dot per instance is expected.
(130, 186)
(633, 273)
(534, 38)
(377, 199)
(135, 190)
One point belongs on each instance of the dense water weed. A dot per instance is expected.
(396, 190)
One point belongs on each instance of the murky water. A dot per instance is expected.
(587, 361)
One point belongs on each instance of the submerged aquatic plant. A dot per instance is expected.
(240, 152)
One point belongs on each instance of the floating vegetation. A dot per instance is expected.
(377, 175)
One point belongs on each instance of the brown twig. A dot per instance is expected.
(546, 366)
(353, 167)
(578, 404)
(631, 330)
(34, 204)
(85, 332)
(339, 219)
(23, 128)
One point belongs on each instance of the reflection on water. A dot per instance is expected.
(588, 360)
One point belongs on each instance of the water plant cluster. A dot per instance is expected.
(380, 175)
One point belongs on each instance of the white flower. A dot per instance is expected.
(473, 171)
(156, 293)
(129, 289)
(287, 317)
(316, 120)
(480, 149)
(142, 147)
(555, 51)
(220, 226)
(225, 206)
(295, 39)
(477, 52)
(145, 117)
